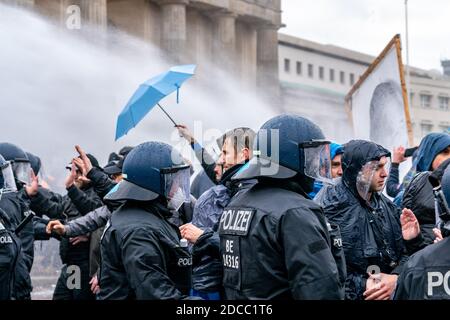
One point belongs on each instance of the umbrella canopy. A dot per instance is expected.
(149, 94)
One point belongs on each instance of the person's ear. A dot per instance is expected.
(246, 154)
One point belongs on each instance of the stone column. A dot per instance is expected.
(267, 61)
(173, 32)
(225, 40)
(94, 12)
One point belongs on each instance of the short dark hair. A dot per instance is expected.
(241, 138)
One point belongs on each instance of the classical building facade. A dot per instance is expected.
(315, 78)
(239, 36)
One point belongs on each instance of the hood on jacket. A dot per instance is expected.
(336, 149)
(430, 147)
(356, 154)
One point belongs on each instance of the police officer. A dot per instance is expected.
(142, 256)
(426, 274)
(9, 244)
(17, 210)
(273, 238)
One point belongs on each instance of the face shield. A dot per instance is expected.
(9, 184)
(372, 177)
(176, 186)
(44, 178)
(317, 160)
(22, 171)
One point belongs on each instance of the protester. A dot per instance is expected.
(369, 221)
(418, 197)
(80, 199)
(207, 270)
(425, 275)
(336, 152)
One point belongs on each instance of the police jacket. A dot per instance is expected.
(371, 233)
(26, 235)
(9, 253)
(425, 275)
(275, 245)
(207, 265)
(141, 256)
(13, 207)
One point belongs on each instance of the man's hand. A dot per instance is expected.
(33, 187)
(56, 226)
(380, 286)
(79, 239)
(399, 155)
(94, 285)
(185, 133)
(190, 232)
(410, 225)
(82, 167)
(86, 161)
(438, 235)
(71, 177)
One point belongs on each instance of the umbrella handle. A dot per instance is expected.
(167, 115)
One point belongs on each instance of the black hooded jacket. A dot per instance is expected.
(419, 194)
(371, 233)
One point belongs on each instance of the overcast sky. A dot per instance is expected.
(368, 25)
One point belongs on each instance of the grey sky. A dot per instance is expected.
(368, 25)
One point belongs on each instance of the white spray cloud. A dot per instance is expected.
(60, 88)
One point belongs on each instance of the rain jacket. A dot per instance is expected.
(371, 233)
(200, 184)
(418, 195)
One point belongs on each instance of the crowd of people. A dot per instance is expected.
(282, 213)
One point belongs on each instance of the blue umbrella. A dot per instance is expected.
(148, 95)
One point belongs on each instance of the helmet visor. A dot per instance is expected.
(317, 161)
(176, 185)
(22, 171)
(9, 184)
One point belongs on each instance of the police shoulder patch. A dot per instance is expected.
(236, 221)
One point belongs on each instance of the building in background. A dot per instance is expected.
(239, 36)
(315, 78)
